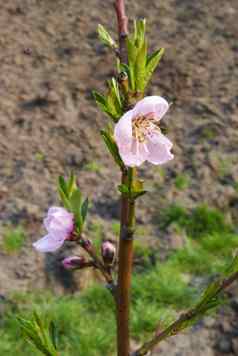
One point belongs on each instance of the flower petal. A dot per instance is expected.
(58, 220)
(123, 129)
(159, 148)
(151, 104)
(135, 154)
(49, 243)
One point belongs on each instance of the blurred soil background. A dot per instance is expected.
(51, 60)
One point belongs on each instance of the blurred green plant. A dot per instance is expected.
(13, 239)
(182, 181)
(197, 222)
(93, 166)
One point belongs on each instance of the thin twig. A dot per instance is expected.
(122, 21)
(176, 326)
(98, 263)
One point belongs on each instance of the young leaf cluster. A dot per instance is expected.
(40, 333)
(72, 200)
(112, 103)
(140, 65)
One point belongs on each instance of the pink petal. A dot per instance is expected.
(159, 148)
(135, 154)
(151, 104)
(58, 220)
(123, 129)
(49, 243)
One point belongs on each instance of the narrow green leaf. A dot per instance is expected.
(63, 185)
(140, 68)
(71, 184)
(75, 202)
(105, 37)
(151, 64)
(112, 147)
(64, 199)
(100, 100)
(132, 51)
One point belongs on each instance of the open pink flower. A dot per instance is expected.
(138, 135)
(59, 224)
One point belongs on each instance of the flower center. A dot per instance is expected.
(142, 126)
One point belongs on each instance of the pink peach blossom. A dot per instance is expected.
(138, 135)
(59, 223)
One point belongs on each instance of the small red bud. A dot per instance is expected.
(108, 251)
(73, 262)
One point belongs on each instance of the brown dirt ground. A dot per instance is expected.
(51, 60)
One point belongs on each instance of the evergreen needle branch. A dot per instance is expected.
(185, 320)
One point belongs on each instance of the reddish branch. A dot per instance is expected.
(125, 269)
(122, 21)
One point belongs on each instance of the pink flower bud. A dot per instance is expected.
(73, 262)
(59, 223)
(108, 251)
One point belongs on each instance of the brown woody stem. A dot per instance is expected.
(125, 267)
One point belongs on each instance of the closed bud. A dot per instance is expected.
(74, 262)
(108, 251)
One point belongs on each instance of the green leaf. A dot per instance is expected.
(105, 37)
(132, 51)
(151, 64)
(123, 188)
(100, 100)
(71, 184)
(62, 184)
(114, 103)
(141, 28)
(112, 147)
(140, 68)
(64, 199)
(107, 104)
(76, 202)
